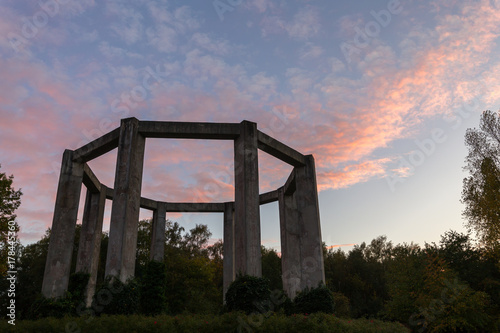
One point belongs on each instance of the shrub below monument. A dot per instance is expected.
(116, 297)
(313, 300)
(249, 294)
(61, 306)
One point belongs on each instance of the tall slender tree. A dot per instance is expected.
(481, 190)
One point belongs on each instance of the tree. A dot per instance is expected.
(10, 200)
(481, 190)
(271, 268)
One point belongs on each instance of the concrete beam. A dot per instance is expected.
(228, 274)
(87, 260)
(144, 202)
(98, 147)
(158, 233)
(90, 180)
(195, 207)
(280, 150)
(268, 197)
(185, 130)
(58, 264)
(311, 244)
(246, 202)
(120, 261)
(148, 204)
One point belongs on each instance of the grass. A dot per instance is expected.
(229, 322)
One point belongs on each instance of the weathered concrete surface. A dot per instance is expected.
(290, 233)
(195, 207)
(87, 260)
(120, 261)
(98, 147)
(289, 186)
(90, 179)
(228, 274)
(158, 232)
(280, 150)
(306, 195)
(57, 267)
(268, 197)
(246, 203)
(184, 130)
(145, 202)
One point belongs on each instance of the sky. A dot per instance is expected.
(380, 92)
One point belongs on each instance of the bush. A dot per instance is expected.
(342, 304)
(62, 306)
(313, 300)
(116, 297)
(229, 322)
(77, 286)
(51, 307)
(249, 294)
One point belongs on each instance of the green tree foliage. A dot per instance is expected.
(271, 268)
(10, 200)
(404, 281)
(152, 289)
(360, 275)
(481, 190)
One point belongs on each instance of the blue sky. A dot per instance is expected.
(380, 92)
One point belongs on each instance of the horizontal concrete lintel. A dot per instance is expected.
(195, 207)
(98, 147)
(279, 150)
(268, 197)
(289, 187)
(90, 180)
(149, 204)
(187, 130)
(145, 202)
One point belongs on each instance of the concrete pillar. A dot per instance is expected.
(246, 203)
(57, 267)
(311, 244)
(228, 247)
(120, 261)
(290, 243)
(89, 247)
(158, 234)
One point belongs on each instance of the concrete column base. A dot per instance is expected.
(57, 267)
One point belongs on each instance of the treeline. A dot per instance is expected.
(450, 284)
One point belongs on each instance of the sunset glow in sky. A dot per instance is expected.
(380, 92)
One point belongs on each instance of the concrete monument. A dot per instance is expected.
(301, 244)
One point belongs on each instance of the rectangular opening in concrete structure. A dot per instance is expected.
(273, 172)
(186, 170)
(104, 167)
(270, 226)
(214, 222)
